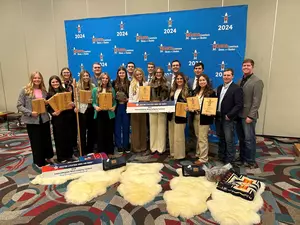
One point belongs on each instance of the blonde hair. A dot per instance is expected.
(109, 85)
(134, 81)
(81, 84)
(30, 86)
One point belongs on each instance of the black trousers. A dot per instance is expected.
(105, 127)
(62, 132)
(40, 141)
(88, 126)
(73, 123)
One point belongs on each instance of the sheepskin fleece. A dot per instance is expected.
(239, 212)
(188, 195)
(91, 185)
(139, 183)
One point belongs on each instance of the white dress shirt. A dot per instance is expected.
(195, 83)
(222, 94)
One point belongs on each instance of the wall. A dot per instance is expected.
(33, 38)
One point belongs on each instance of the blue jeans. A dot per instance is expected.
(247, 140)
(225, 132)
(122, 124)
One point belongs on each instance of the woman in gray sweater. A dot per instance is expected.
(38, 125)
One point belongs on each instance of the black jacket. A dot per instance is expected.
(232, 102)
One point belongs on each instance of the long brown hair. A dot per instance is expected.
(118, 83)
(30, 86)
(83, 85)
(208, 88)
(109, 85)
(163, 78)
(185, 88)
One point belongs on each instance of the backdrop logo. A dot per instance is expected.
(81, 69)
(225, 17)
(195, 58)
(195, 54)
(223, 47)
(169, 67)
(100, 40)
(170, 22)
(222, 66)
(169, 49)
(121, 25)
(102, 63)
(225, 25)
(78, 29)
(145, 55)
(195, 36)
(141, 38)
(122, 31)
(80, 52)
(122, 51)
(79, 32)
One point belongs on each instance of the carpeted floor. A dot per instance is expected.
(25, 203)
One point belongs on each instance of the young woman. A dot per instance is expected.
(105, 118)
(158, 121)
(38, 125)
(202, 122)
(179, 93)
(62, 122)
(122, 122)
(68, 82)
(86, 114)
(138, 120)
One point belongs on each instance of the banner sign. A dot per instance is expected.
(66, 169)
(214, 36)
(151, 107)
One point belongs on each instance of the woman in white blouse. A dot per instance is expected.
(138, 120)
(179, 93)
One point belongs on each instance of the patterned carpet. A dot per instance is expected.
(24, 203)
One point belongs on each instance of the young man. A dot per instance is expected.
(175, 65)
(230, 104)
(253, 91)
(198, 70)
(150, 69)
(97, 70)
(130, 68)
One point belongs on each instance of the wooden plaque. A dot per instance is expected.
(63, 100)
(105, 101)
(52, 102)
(38, 105)
(144, 93)
(180, 109)
(209, 106)
(193, 103)
(85, 96)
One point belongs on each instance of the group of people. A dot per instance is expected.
(103, 130)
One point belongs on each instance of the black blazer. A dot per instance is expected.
(178, 119)
(204, 120)
(232, 102)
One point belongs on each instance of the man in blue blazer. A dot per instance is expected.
(230, 104)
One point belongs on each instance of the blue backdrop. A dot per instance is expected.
(215, 36)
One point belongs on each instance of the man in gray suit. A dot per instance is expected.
(253, 91)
